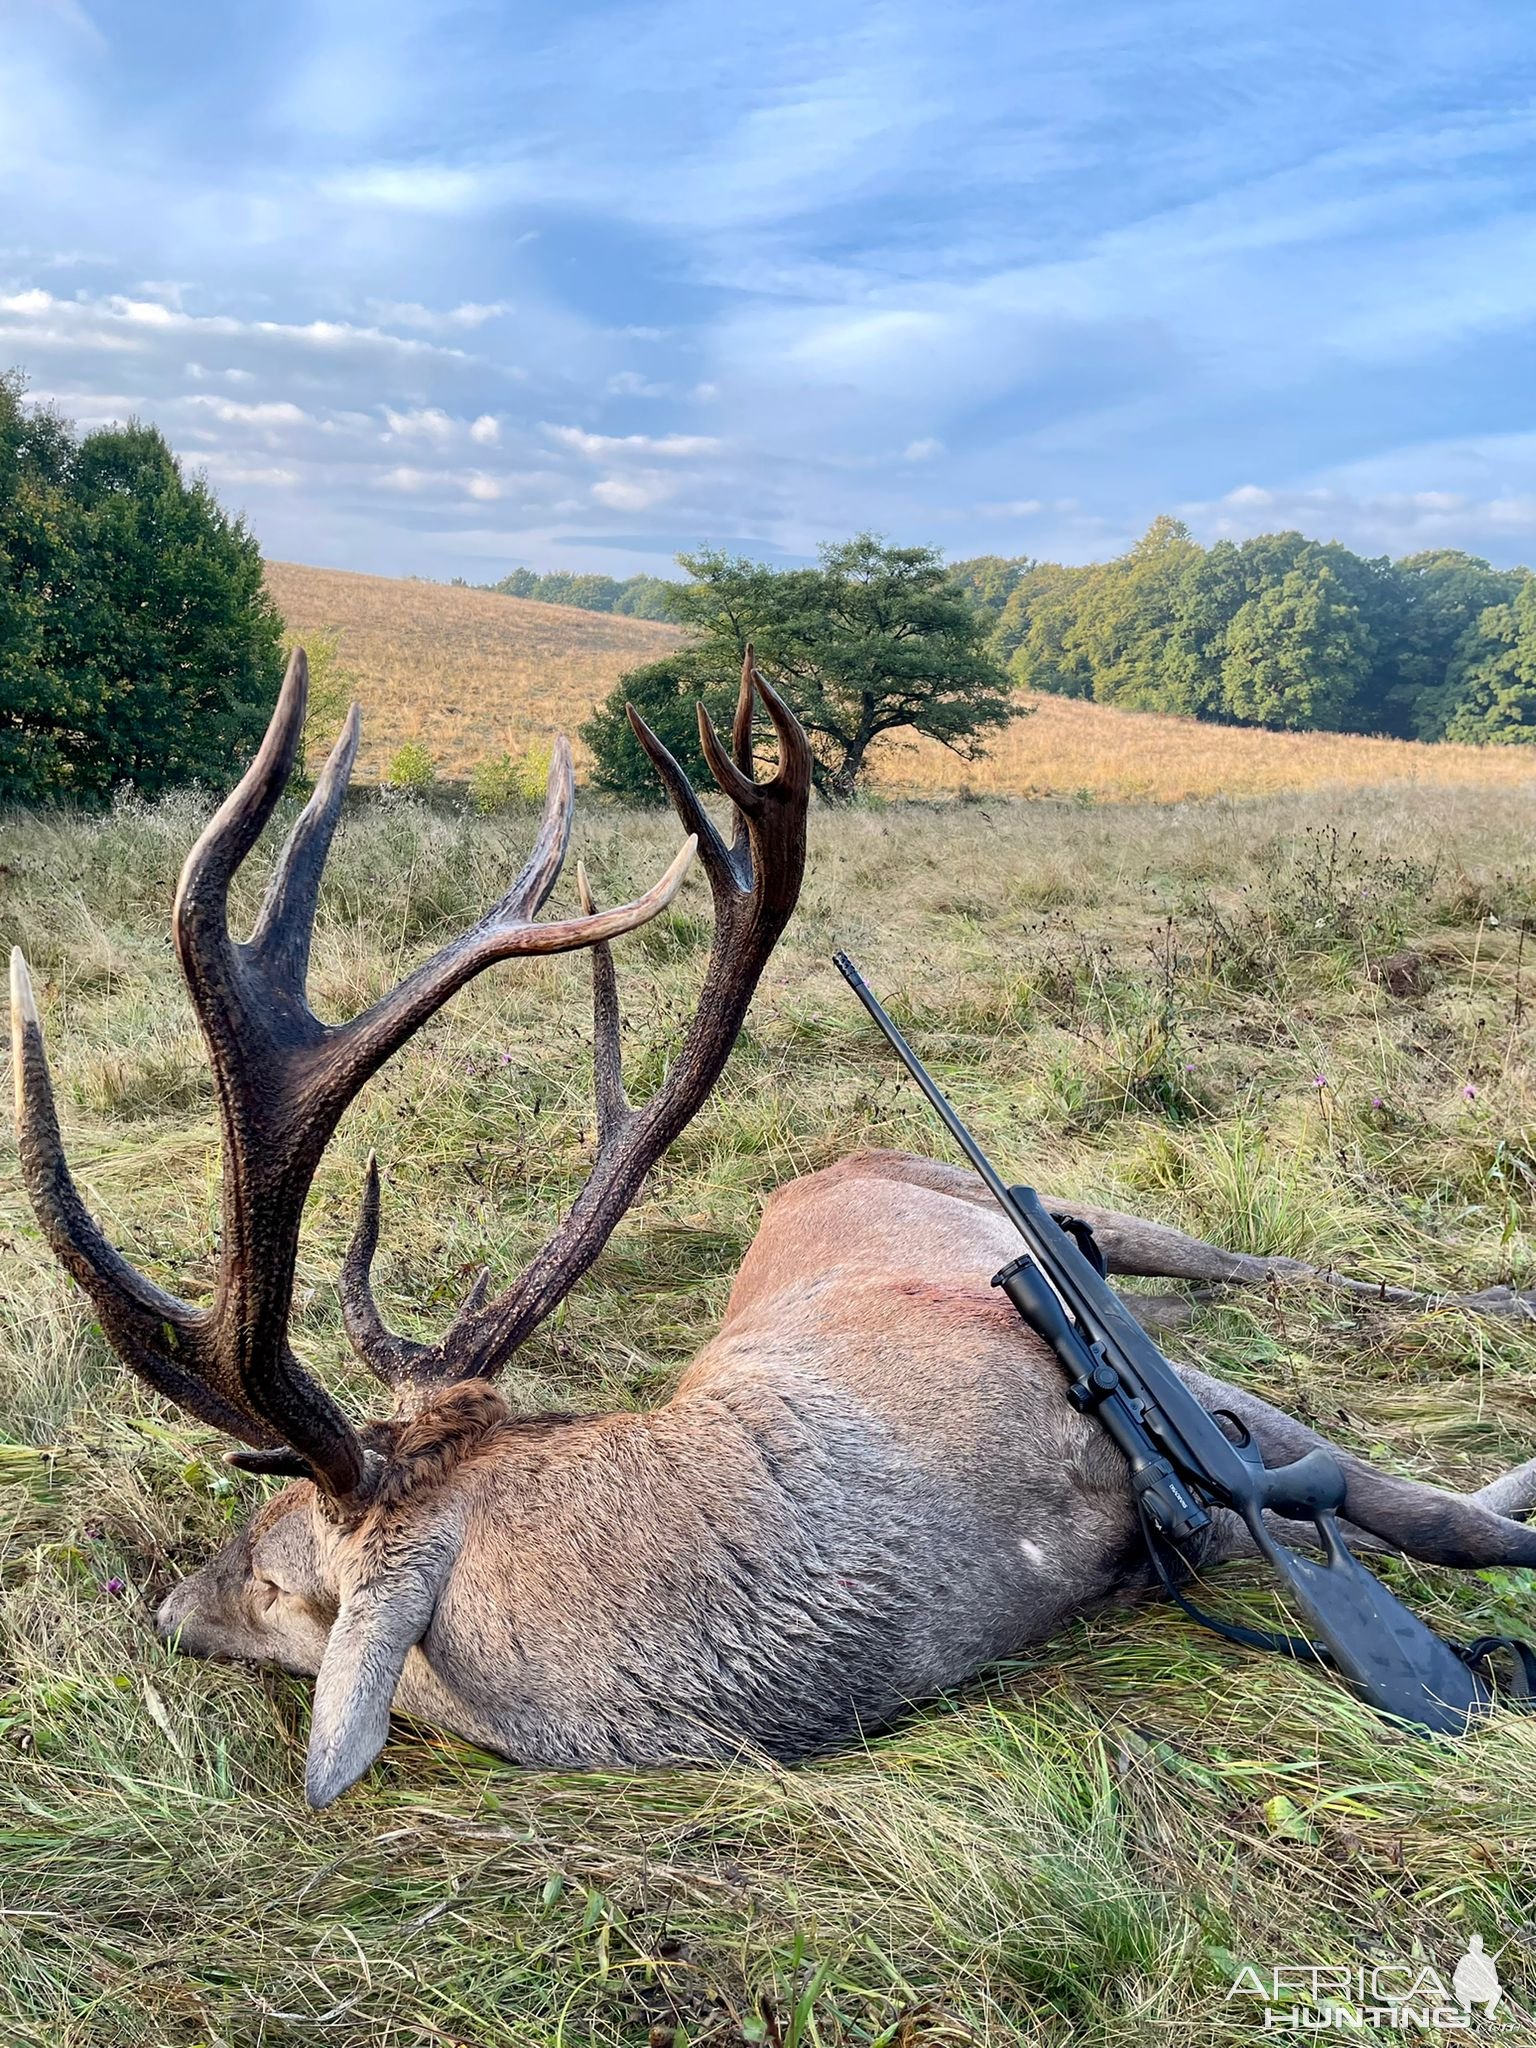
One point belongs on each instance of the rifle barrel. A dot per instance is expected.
(929, 1086)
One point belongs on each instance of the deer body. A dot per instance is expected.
(867, 1487)
(862, 1491)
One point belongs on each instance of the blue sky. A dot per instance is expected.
(437, 289)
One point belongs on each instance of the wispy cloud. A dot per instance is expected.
(602, 447)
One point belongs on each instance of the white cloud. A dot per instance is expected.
(414, 188)
(482, 487)
(426, 423)
(433, 320)
(257, 413)
(486, 430)
(1394, 521)
(603, 447)
(635, 493)
(922, 451)
(229, 470)
(118, 321)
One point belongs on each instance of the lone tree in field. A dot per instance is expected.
(875, 639)
(137, 643)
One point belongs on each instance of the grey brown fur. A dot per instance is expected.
(867, 1487)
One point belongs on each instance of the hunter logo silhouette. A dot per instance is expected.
(1476, 1981)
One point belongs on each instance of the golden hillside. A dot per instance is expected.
(469, 674)
(465, 672)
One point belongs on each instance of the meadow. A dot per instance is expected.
(470, 675)
(464, 673)
(1180, 1009)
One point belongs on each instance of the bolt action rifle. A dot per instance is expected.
(1183, 1463)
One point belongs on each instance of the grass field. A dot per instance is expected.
(464, 672)
(1169, 1008)
(471, 675)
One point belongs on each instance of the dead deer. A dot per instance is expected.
(866, 1488)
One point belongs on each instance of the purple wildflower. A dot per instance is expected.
(1470, 1092)
(1319, 1080)
(116, 1588)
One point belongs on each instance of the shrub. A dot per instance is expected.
(504, 781)
(138, 646)
(413, 771)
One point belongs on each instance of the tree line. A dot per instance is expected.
(1278, 631)
(635, 597)
(137, 642)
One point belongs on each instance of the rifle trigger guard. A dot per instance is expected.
(1081, 1234)
(1512, 1682)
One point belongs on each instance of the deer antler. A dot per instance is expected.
(755, 882)
(282, 1080)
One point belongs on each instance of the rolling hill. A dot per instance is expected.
(465, 672)
(469, 673)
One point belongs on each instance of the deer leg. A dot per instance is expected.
(1514, 1494)
(1426, 1522)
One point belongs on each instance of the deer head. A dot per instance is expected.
(337, 1575)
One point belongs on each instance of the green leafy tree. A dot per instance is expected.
(1038, 634)
(1277, 629)
(645, 597)
(137, 642)
(1137, 629)
(990, 580)
(1443, 594)
(875, 639)
(1491, 690)
(637, 597)
(42, 703)
(664, 693)
(1297, 655)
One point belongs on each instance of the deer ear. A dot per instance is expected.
(380, 1623)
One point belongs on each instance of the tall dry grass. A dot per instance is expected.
(1064, 747)
(465, 673)
(1172, 1008)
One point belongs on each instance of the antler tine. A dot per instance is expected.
(202, 895)
(388, 1356)
(741, 736)
(145, 1324)
(741, 724)
(736, 782)
(613, 1105)
(286, 923)
(713, 853)
(755, 887)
